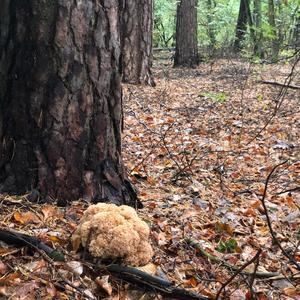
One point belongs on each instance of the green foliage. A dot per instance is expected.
(218, 20)
(164, 22)
(217, 24)
(216, 97)
(228, 246)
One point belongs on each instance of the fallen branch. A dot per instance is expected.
(290, 86)
(129, 274)
(226, 264)
(295, 189)
(140, 278)
(280, 277)
(18, 239)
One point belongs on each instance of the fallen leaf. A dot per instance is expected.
(26, 217)
(104, 284)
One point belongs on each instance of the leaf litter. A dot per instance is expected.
(199, 147)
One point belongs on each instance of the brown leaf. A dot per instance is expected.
(27, 290)
(292, 291)
(26, 217)
(10, 278)
(104, 284)
(3, 268)
(50, 211)
(76, 242)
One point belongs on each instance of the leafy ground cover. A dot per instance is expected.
(199, 147)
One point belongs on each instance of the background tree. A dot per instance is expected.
(218, 26)
(244, 19)
(60, 100)
(258, 49)
(186, 51)
(164, 23)
(272, 23)
(210, 25)
(136, 37)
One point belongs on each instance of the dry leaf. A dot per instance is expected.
(26, 217)
(104, 284)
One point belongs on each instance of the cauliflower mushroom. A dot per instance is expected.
(110, 232)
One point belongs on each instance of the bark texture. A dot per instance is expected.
(60, 100)
(186, 51)
(136, 37)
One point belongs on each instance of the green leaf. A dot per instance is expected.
(216, 97)
(227, 246)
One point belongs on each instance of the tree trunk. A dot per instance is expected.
(244, 19)
(296, 33)
(136, 37)
(258, 50)
(272, 23)
(294, 30)
(210, 27)
(186, 51)
(60, 98)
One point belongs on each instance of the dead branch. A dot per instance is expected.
(295, 189)
(129, 274)
(142, 279)
(252, 279)
(280, 277)
(18, 239)
(289, 86)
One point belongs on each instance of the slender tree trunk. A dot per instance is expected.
(272, 23)
(60, 99)
(136, 33)
(241, 27)
(244, 19)
(211, 30)
(258, 50)
(296, 33)
(186, 52)
(280, 25)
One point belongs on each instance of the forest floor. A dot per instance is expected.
(200, 147)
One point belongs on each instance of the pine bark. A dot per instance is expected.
(60, 97)
(186, 51)
(136, 38)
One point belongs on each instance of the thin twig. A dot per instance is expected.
(226, 264)
(290, 86)
(279, 100)
(269, 223)
(237, 272)
(252, 278)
